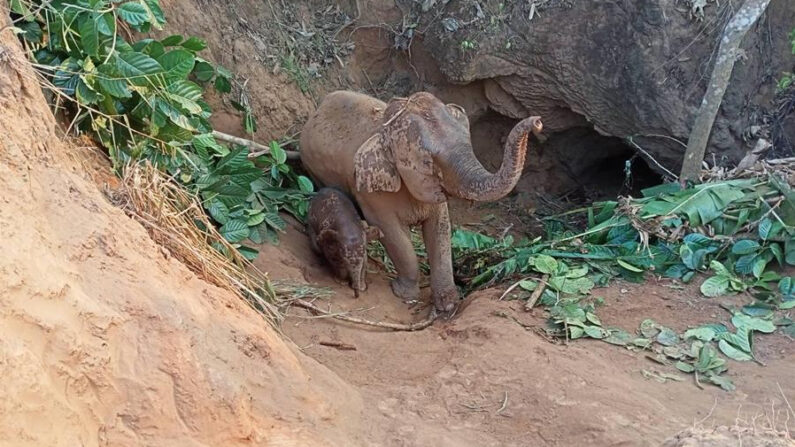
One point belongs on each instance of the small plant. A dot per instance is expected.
(788, 78)
(144, 100)
(467, 45)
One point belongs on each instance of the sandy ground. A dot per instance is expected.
(484, 380)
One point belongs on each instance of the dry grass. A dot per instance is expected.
(176, 220)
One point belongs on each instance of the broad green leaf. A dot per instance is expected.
(764, 228)
(194, 44)
(203, 71)
(629, 266)
(528, 285)
(156, 15)
(745, 247)
(546, 264)
(719, 268)
(745, 265)
(133, 13)
(305, 184)
(248, 252)
(138, 68)
(759, 266)
(732, 352)
(222, 84)
(667, 337)
(715, 286)
(89, 35)
(256, 219)
(594, 332)
(234, 230)
(278, 154)
(723, 382)
(85, 94)
(618, 337)
(172, 40)
(685, 367)
(649, 329)
(703, 333)
(20, 7)
(218, 211)
(741, 320)
(177, 64)
(576, 332)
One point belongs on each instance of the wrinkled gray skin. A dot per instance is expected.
(401, 161)
(336, 231)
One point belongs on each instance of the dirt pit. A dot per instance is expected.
(487, 378)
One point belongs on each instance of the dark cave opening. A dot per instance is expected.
(578, 163)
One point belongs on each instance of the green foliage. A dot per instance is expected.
(788, 78)
(144, 99)
(727, 228)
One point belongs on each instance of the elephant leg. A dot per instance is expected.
(436, 233)
(398, 246)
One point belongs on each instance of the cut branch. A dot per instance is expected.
(418, 326)
(728, 53)
(255, 149)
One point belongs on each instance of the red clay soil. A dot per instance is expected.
(482, 379)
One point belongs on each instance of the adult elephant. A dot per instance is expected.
(401, 161)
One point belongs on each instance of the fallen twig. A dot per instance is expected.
(338, 345)
(537, 293)
(255, 148)
(504, 404)
(420, 325)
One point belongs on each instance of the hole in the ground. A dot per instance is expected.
(578, 163)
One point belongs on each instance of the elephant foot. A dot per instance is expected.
(446, 301)
(406, 289)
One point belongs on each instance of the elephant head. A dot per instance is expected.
(426, 145)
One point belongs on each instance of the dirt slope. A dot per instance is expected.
(104, 340)
(447, 385)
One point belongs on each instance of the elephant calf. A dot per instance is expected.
(336, 231)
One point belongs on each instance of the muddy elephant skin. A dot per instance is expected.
(337, 232)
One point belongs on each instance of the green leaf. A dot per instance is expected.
(715, 286)
(85, 94)
(667, 337)
(218, 211)
(234, 230)
(546, 264)
(732, 352)
(722, 382)
(685, 367)
(155, 12)
(745, 265)
(89, 35)
(764, 228)
(256, 219)
(745, 247)
(248, 252)
(222, 84)
(719, 268)
(528, 285)
(20, 7)
(629, 266)
(112, 82)
(203, 71)
(759, 266)
(594, 332)
(172, 40)
(195, 44)
(576, 332)
(133, 13)
(649, 329)
(305, 185)
(703, 333)
(249, 123)
(741, 320)
(177, 64)
(138, 68)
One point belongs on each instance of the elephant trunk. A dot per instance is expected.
(357, 276)
(470, 180)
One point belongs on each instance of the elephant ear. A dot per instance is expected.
(374, 166)
(415, 163)
(459, 114)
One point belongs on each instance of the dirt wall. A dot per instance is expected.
(107, 340)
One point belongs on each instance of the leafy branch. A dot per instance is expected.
(144, 100)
